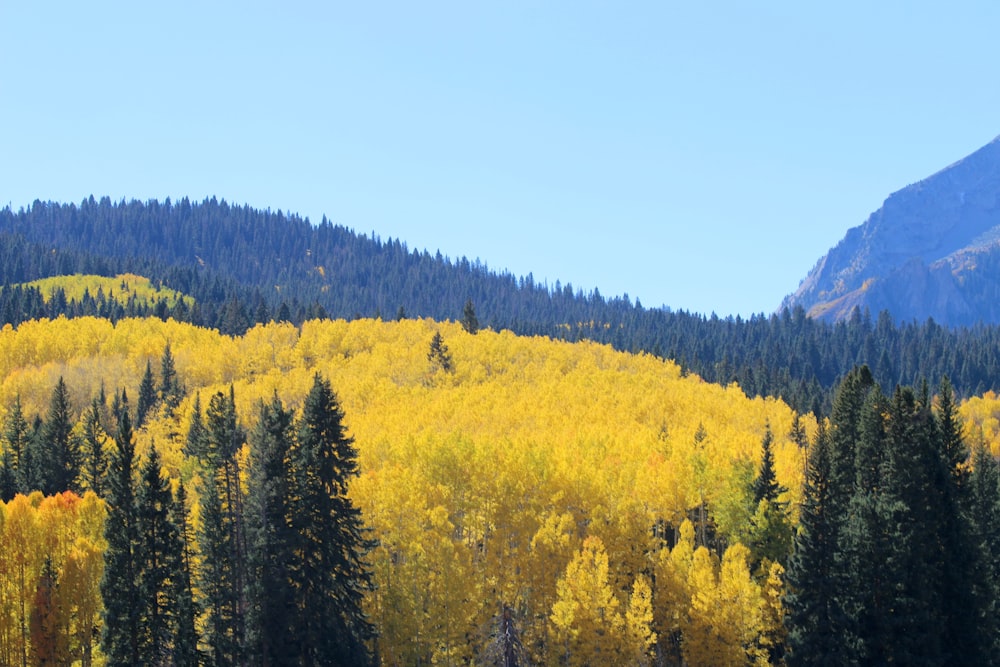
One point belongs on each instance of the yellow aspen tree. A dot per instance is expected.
(672, 597)
(639, 635)
(22, 542)
(80, 591)
(703, 643)
(8, 617)
(726, 613)
(773, 632)
(588, 625)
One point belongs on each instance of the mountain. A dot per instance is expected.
(931, 250)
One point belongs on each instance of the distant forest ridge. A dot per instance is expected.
(243, 266)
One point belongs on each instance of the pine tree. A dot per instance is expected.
(438, 355)
(770, 525)
(159, 546)
(8, 476)
(119, 590)
(863, 540)
(223, 536)
(330, 573)
(217, 581)
(147, 397)
(984, 519)
(16, 434)
(185, 652)
(271, 541)
(170, 390)
(815, 620)
(61, 465)
(197, 437)
(469, 320)
(95, 460)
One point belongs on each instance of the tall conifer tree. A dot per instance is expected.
(119, 590)
(159, 547)
(185, 652)
(330, 575)
(815, 618)
(61, 465)
(272, 635)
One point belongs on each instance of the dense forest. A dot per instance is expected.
(244, 266)
(499, 500)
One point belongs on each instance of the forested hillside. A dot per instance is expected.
(496, 473)
(243, 266)
(550, 502)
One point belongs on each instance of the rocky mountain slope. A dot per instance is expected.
(932, 250)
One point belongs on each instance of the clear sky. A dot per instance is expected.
(700, 155)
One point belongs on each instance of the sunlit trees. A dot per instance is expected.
(330, 573)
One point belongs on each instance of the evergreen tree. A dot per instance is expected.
(61, 465)
(272, 636)
(171, 390)
(770, 525)
(438, 354)
(217, 580)
(330, 573)
(197, 437)
(159, 546)
(984, 519)
(469, 320)
(147, 397)
(16, 435)
(8, 476)
(119, 590)
(35, 460)
(863, 539)
(185, 652)
(815, 578)
(223, 534)
(95, 460)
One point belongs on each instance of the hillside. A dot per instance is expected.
(481, 482)
(931, 250)
(299, 272)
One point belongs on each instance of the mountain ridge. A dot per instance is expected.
(931, 250)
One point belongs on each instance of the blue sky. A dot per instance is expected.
(701, 156)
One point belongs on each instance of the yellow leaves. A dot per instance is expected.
(484, 488)
(585, 616)
(69, 530)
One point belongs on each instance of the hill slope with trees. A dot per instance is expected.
(244, 266)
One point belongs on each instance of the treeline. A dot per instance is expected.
(275, 573)
(244, 266)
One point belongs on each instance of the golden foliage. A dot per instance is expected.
(484, 485)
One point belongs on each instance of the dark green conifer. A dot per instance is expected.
(61, 464)
(770, 525)
(170, 390)
(469, 320)
(16, 434)
(196, 443)
(159, 545)
(119, 590)
(330, 573)
(185, 653)
(438, 354)
(812, 595)
(272, 635)
(147, 397)
(95, 459)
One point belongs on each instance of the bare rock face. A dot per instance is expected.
(932, 250)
